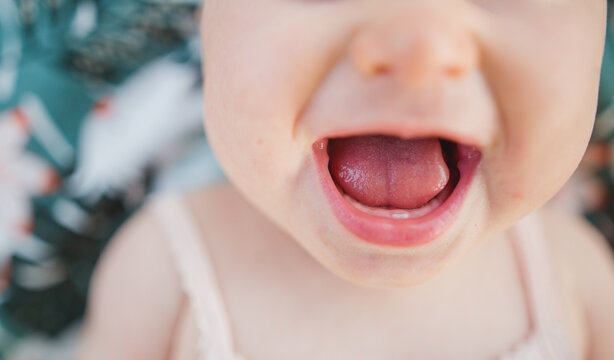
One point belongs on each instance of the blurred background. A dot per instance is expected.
(100, 106)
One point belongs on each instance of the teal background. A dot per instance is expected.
(70, 74)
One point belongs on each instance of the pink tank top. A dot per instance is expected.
(546, 340)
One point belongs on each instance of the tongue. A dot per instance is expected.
(385, 171)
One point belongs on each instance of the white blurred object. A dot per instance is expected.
(157, 107)
(84, 21)
(10, 48)
(22, 176)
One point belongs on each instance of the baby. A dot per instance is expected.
(389, 162)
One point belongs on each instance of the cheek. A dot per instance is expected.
(266, 60)
(239, 147)
(249, 64)
(545, 78)
(259, 73)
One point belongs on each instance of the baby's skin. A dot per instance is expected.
(377, 154)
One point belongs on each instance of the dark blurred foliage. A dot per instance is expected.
(72, 55)
(598, 163)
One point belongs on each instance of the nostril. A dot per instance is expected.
(461, 58)
(381, 70)
(419, 51)
(454, 71)
(368, 57)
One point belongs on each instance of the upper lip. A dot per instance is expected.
(462, 112)
(470, 124)
(404, 130)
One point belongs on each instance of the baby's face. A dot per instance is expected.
(502, 94)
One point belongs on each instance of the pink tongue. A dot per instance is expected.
(385, 171)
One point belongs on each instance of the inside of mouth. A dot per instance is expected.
(390, 173)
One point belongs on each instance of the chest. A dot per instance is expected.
(279, 315)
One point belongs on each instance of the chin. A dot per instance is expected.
(386, 268)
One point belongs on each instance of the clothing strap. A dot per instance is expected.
(542, 290)
(547, 339)
(197, 277)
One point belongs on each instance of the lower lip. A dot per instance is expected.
(386, 231)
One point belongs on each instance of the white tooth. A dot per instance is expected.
(400, 216)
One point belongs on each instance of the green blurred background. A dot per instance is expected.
(104, 99)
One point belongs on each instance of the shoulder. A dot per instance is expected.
(218, 210)
(135, 295)
(575, 241)
(585, 260)
(217, 201)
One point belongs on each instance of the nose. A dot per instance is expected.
(415, 47)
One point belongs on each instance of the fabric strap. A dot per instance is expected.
(197, 276)
(542, 291)
(547, 339)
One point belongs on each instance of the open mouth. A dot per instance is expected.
(393, 191)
